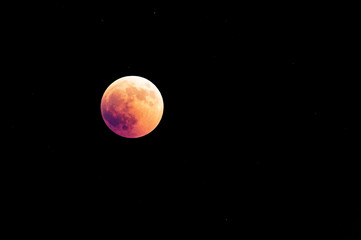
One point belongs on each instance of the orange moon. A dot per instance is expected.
(132, 107)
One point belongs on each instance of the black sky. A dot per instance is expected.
(259, 137)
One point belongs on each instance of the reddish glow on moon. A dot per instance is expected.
(132, 107)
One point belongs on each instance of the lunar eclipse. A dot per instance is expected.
(132, 107)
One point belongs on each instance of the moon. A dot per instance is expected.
(132, 107)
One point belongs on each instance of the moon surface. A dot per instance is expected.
(132, 107)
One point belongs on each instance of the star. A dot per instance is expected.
(227, 220)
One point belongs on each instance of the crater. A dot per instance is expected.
(140, 94)
(115, 99)
(124, 120)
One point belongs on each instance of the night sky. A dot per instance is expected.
(260, 136)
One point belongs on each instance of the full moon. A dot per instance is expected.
(132, 107)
